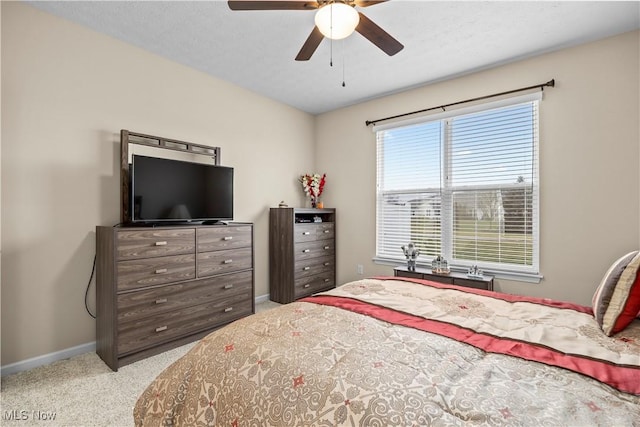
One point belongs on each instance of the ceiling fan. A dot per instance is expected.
(335, 19)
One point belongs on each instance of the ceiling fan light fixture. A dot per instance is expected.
(337, 20)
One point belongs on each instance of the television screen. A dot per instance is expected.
(174, 190)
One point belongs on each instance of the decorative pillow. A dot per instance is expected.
(602, 296)
(616, 302)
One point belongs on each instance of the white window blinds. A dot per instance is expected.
(463, 185)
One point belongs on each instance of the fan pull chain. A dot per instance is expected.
(343, 64)
(330, 52)
(331, 38)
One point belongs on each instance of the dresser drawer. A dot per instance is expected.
(139, 273)
(469, 283)
(313, 266)
(440, 278)
(150, 331)
(154, 242)
(304, 233)
(313, 231)
(413, 275)
(308, 285)
(325, 230)
(220, 238)
(210, 263)
(139, 304)
(317, 248)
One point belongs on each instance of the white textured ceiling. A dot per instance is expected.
(256, 49)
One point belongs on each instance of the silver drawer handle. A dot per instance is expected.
(306, 268)
(161, 328)
(228, 238)
(306, 286)
(327, 247)
(161, 301)
(326, 263)
(227, 261)
(326, 280)
(161, 243)
(327, 231)
(306, 250)
(306, 233)
(229, 286)
(161, 270)
(228, 309)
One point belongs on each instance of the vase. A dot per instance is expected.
(314, 202)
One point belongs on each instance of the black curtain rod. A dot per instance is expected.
(550, 83)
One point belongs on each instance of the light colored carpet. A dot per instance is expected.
(82, 390)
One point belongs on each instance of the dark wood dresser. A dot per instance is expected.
(161, 287)
(453, 278)
(302, 252)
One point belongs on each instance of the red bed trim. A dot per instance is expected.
(623, 378)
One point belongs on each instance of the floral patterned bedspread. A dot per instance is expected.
(316, 362)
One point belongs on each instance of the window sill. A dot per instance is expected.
(498, 274)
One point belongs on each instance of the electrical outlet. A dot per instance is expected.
(360, 269)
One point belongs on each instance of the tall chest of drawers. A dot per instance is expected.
(161, 287)
(302, 252)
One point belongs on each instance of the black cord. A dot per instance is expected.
(86, 293)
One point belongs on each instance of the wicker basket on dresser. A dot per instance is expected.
(302, 253)
(161, 287)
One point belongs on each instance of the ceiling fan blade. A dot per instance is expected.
(366, 3)
(271, 5)
(310, 46)
(378, 36)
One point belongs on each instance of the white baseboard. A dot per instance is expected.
(262, 298)
(46, 359)
(34, 362)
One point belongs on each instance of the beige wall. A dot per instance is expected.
(589, 162)
(67, 93)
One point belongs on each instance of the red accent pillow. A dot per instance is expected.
(631, 307)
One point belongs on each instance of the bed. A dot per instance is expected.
(395, 351)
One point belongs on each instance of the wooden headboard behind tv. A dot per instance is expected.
(156, 142)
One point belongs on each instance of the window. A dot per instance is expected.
(463, 185)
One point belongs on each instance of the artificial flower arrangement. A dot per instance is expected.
(313, 184)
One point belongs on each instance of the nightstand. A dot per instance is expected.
(453, 278)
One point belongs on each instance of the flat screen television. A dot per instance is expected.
(165, 190)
